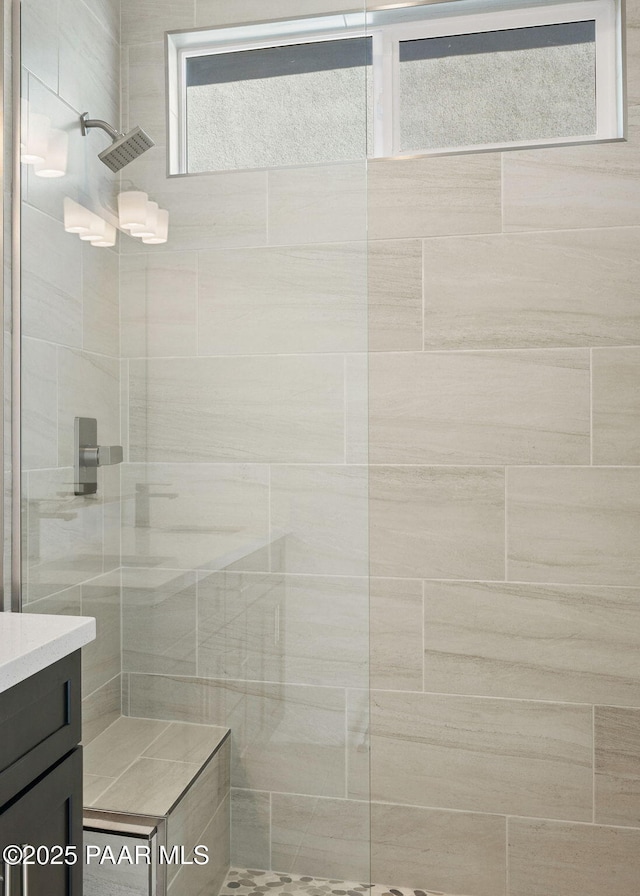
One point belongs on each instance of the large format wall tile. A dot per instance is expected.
(159, 304)
(190, 516)
(39, 404)
(102, 658)
(250, 828)
(100, 306)
(478, 754)
(299, 629)
(564, 643)
(434, 196)
(89, 65)
(458, 852)
(574, 525)
(39, 21)
(616, 406)
(358, 745)
(147, 20)
(272, 301)
(617, 766)
(437, 522)
(567, 187)
(396, 634)
(317, 203)
(532, 290)
(144, 99)
(218, 12)
(395, 295)
(322, 513)
(572, 859)
(283, 409)
(158, 621)
(476, 408)
(327, 838)
(101, 709)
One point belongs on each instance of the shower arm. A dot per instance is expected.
(86, 123)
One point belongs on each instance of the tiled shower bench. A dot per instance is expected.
(156, 784)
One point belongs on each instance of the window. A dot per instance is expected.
(445, 77)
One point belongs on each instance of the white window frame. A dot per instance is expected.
(417, 22)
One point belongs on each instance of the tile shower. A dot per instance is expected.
(380, 504)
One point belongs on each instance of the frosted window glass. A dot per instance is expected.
(497, 87)
(279, 106)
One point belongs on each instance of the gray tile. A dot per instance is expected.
(101, 709)
(430, 848)
(186, 743)
(147, 20)
(396, 634)
(395, 295)
(437, 522)
(358, 745)
(39, 404)
(480, 407)
(574, 525)
(616, 406)
(572, 859)
(556, 642)
(617, 766)
(102, 658)
(100, 307)
(40, 40)
(113, 751)
(149, 787)
(93, 787)
(217, 12)
(250, 828)
(484, 755)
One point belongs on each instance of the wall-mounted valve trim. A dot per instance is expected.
(89, 455)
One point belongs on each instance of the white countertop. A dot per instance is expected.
(30, 642)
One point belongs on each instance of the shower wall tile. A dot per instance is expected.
(144, 101)
(322, 512)
(88, 386)
(437, 850)
(327, 838)
(358, 745)
(51, 280)
(101, 659)
(574, 187)
(564, 643)
(65, 534)
(108, 12)
(435, 522)
(250, 828)
(189, 516)
(396, 635)
(480, 408)
(182, 699)
(395, 295)
(100, 306)
(318, 203)
(159, 621)
(574, 525)
(210, 211)
(616, 406)
(147, 20)
(101, 709)
(356, 371)
(39, 47)
(286, 409)
(39, 399)
(218, 12)
(159, 304)
(434, 196)
(532, 290)
(65, 603)
(572, 859)
(617, 766)
(89, 63)
(270, 301)
(298, 629)
(482, 755)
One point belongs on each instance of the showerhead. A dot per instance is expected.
(125, 147)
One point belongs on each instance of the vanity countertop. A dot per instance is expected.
(30, 642)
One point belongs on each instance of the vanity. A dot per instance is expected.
(40, 756)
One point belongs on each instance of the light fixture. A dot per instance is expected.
(132, 209)
(55, 162)
(91, 228)
(35, 138)
(76, 217)
(148, 229)
(108, 238)
(96, 228)
(162, 229)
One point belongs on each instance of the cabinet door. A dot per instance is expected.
(47, 814)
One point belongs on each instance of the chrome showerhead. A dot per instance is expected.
(125, 147)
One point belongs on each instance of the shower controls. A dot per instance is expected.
(89, 455)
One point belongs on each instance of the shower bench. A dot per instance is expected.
(153, 792)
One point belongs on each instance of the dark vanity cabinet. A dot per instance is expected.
(41, 781)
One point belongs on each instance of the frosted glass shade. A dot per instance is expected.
(96, 230)
(108, 238)
(162, 229)
(132, 209)
(35, 138)
(55, 162)
(148, 229)
(77, 218)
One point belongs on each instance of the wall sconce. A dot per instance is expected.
(54, 163)
(87, 225)
(35, 137)
(142, 218)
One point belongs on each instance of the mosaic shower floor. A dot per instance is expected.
(270, 883)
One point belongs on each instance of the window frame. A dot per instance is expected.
(417, 22)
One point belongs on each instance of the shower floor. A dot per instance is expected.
(270, 883)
